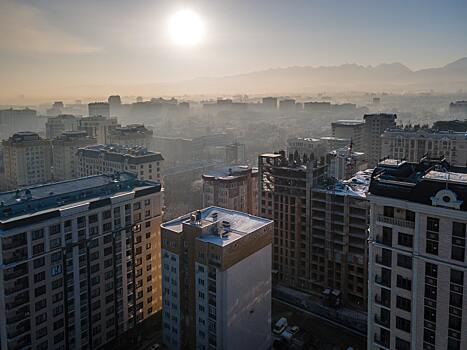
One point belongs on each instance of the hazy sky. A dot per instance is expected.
(48, 46)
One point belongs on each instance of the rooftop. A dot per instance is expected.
(350, 122)
(356, 186)
(429, 133)
(220, 226)
(230, 172)
(120, 153)
(33, 200)
(420, 182)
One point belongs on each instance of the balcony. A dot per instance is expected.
(384, 342)
(19, 315)
(18, 285)
(385, 261)
(385, 322)
(383, 281)
(19, 299)
(20, 328)
(14, 242)
(396, 222)
(16, 255)
(15, 272)
(20, 343)
(382, 301)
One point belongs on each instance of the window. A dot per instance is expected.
(403, 303)
(430, 314)
(37, 234)
(402, 344)
(404, 283)
(38, 277)
(458, 253)
(431, 270)
(458, 229)
(457, 277)
(402, 324)
(39, 291)
(405, 240)
(40, 305)
(389, 211)
(455, 322)
(430, 292)
(38, 249)
(39, 262)
(404, 261)
(432, 247)
(432, 224)
(41, 319)
(54, 229)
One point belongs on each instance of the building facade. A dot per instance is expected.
(234, 187)
(99, 109)
(64, 150)
(314, 149)
(79, 262)
(417, 269)
(132, 135)
(375, 125)
(216, 280)
(344, 163)
(414, 145)
(109, 159)
(57, 125)
(27, 159)
(98, 127)
(350, 130)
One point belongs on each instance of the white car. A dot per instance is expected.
(280, 326)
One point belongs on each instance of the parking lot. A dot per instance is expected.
(315, 332)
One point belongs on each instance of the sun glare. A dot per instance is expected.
(186, 28)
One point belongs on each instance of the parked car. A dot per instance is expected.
(280, 326)
(289, 333)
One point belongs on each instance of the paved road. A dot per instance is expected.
(326, 333)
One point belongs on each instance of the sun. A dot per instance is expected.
(186, 28)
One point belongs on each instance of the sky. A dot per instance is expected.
(51, 47)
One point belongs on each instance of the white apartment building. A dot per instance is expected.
(417, 262)
(98, 127)
(343, 163)
(79, 262)
(27, 159)
(216, 281)
(108, 159)
(414, 145)
(234, 187)
(64, 150)
(57, 125)
(16, 120)
(311, 147)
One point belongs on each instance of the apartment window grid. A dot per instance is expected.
(455, 309)
(431, 282)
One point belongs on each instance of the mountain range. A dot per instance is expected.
(389, 77)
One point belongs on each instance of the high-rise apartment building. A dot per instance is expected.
(98, 127)
(79, 262)
(414, 145)
(344, 163)
(320, 229)
(132, 135)
(109, 159)
(314, 149)
(27, 159)
(64, 150)
(458, 109)
(216, 281)
(417, 261)
(350, 130)
(375, 125)
(234, 187)
(17, 120)
(57, 125)
(269, 103)
(99, 109)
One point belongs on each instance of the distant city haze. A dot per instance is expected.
(63, 49)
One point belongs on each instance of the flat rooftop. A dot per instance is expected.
(348, 122)
(230, 172)
(36, 199)
(241, 224)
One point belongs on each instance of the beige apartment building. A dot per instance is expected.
(216, 281)
(98, 127)
(132, 135)
(374, 127)
(55, 126)
(79, 262)
(320, 228)
(414, 145)
(109, 159)
(65, 148)
(417, 269)
(234, 187)
(27, 159)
